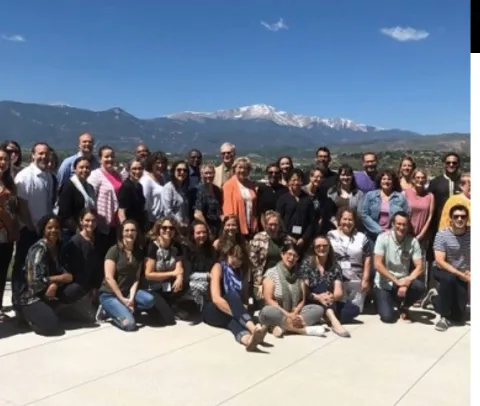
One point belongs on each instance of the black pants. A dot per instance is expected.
(6, 251)
(387, 300)
(26, 240)
(346, 312)
(162, 311)
(236, 323)
(41, 315)
(452, 298)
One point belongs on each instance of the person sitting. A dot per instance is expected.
(353, 253)
(81, 255)
(452, 269)
(230, 232)
(229, 296)
(46, 283)
(119, 294)
(395, 283)
(199, 260)
(265, 248)
(323, 276)
(164, 269)
(285, 295)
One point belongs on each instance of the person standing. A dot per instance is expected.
(194, 163)
(85, 150)
(35, 191)
(323, 159)
(365, 179)
(224, 171)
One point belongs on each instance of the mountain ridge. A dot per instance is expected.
(253, 127)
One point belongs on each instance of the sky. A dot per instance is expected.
(393, 64)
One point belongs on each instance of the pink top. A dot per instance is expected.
(384, 219)
(419, 209)
(115, 179)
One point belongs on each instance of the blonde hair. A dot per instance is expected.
(242, 160)
(207, 165)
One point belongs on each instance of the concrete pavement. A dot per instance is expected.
(405, 364)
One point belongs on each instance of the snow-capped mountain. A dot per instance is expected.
(280, 117)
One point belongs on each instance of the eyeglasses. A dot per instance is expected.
(459, 216)
(167, 228)
(451, 163)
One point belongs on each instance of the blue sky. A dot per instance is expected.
(328, 57)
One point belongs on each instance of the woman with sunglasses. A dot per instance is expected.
(131, 200)
(229, 293)
(269, 191)
(12, 148)
(164, 269)
(120, 295)
(323, 276)
(175, 194)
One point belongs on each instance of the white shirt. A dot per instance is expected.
(36, 187)
(152, 191)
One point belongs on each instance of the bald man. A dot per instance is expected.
(85, 149)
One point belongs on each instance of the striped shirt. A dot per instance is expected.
(456, 248)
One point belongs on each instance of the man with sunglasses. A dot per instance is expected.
(223, 172)
(268, 192)
(452, 269)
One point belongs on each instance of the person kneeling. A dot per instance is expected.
(119, 293)
(47, 285)
(229, 298)
(395, 285)
(284, 294)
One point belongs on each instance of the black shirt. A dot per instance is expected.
(267, 197)
(330, 179)
(297, 215)
(84, 262)
(440, 188)
(132, 200)
(70, 203)
(210, 204)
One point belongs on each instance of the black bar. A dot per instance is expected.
(474, 34)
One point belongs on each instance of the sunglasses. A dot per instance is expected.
(459, 216)
(451, 163)
(12, 151)
(167, 228)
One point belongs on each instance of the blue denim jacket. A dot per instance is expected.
(370, 210)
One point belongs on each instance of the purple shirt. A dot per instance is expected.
(364, 182)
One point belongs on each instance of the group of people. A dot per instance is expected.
(159, 240)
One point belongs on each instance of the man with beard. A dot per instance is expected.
(323, 159)
(365, 179)
(85, 150)
(35, 191)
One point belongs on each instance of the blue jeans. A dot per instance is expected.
(346, 311)
(121, 316)
(387, 300)
(214, 317)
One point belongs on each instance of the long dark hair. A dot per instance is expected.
(207, 248)
(348, 170)
(7, 177)
(330, 263)
(223, 237)
(137, 244)
(4, 147)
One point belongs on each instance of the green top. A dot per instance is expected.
(125, 271)
(273, 254)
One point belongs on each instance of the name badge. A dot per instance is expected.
(166, 287)
(345, 265)
(297, 230)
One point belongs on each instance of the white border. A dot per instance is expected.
(475, 168)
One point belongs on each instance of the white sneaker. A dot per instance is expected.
(101, 315)
(317, 331)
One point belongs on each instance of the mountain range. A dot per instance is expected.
(251, 128)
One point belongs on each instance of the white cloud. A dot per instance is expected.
(276, 26)
(13, 38)
(404, 34)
